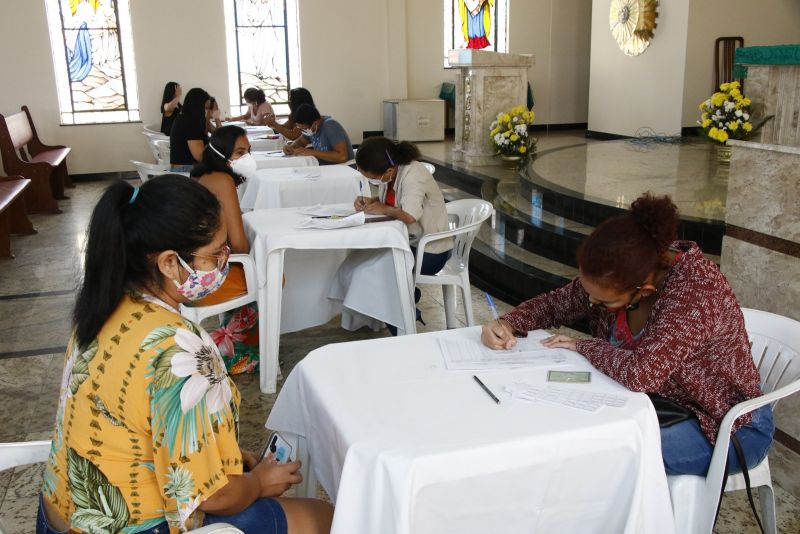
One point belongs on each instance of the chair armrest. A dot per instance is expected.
(249, 266)
(438, 236)
(717, 469)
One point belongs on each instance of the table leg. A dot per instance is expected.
(308, 487)
(405, 287)
(269, 330)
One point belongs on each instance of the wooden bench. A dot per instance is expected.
(13, 216)
(45, 165)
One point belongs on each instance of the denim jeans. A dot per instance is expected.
(43, 526)
(687, 451)
(264, 516)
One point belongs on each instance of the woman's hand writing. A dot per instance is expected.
(560, 341)
(497, 334)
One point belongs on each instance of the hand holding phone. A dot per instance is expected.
(277, 450)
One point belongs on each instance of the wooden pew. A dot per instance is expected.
(13, 216)
(45, 165)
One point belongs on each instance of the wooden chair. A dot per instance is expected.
(724, 52)
(13, 217)
(45, 165)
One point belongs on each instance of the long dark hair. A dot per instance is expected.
(623, 250)
(377, 154)
(224, 141)
(194, 107)
(297, 97)
(253, 94)
(127, 230)
(169, 94)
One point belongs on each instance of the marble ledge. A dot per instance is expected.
(786, 149)
(484, 58)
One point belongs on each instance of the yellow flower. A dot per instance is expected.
(506, 117)
(747, 127)
(703, 116)
(522, 150)
(706, 123)
(713, 133)
(735, 85)
(733, 126)
(725, 87)
(717, 99)
(507, 134)
(746, 102)
(735, 93)
(514, 137)
(495, 131)
(723, 136)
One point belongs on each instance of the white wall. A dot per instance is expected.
(766, 22)
(626, 93)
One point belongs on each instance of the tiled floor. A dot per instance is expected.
(36, 295)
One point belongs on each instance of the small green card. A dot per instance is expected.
(574, 377)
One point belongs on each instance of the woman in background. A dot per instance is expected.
(297, 97)
(258, 109)
(170, 106)
(189, 134)
(323, 137)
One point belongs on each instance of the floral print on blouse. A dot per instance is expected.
(147, 424)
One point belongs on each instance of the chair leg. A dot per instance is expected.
(18, 212)
(5, 235)
(57, 182)
(67, 178)
(466, 293)
(768, 517)
(449, 294)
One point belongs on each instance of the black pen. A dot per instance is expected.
(487, 390)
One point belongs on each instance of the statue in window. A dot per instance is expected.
(476, 22)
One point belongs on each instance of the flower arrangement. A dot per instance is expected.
(726, 115)
(509, 133)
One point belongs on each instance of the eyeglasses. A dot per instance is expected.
(628, 306)
(221, 256)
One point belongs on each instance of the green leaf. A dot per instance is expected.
(80, 367)
(192, 327)
(157, 336)
(94, 497)
(92, 521)
(163, 376)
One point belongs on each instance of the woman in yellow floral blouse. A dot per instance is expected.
(147, 425)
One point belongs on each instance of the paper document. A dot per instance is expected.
(330, 223)
(465, 354)
(309, 173)
(327, 210)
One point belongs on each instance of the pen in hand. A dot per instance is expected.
(492, 307)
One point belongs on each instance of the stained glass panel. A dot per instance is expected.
(263, 50)
(477, 24)
(93, 60)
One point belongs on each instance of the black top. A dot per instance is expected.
(182, 132)
(166, 122)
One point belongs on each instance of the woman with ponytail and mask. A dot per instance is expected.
(146, 429)
(406, 192)
(664, 321)
(226, 164)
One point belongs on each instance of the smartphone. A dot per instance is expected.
(277, 450)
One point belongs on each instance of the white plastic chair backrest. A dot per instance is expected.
(162, 145)
(429, 166)
(466, 212)
(775, 342)
(149, 170)
(23, 453)
(153, 129)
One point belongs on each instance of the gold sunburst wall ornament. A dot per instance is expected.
(632, 23)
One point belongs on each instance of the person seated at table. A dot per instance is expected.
(664, 321)
(297, 97)
(146, 428)
(170, 106)
(406, 192)
(189, 134)
(323, 137)
(225, 165)
(258, 109)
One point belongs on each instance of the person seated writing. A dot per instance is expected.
(297, 97)
(147, 424)
(258, 109)
(406, 192)
(664, 321)
(189, 133)
(225, 165)
(323, 138)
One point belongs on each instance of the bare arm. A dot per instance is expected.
(265, 480)
(196, 147)
(170, 106)
(337, 155)
(287, 129)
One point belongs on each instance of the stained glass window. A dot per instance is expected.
(263, 50)
(93, 60)
(478, 24)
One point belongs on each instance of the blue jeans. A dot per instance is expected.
(182, 168)
(264, 516)
(687, 451)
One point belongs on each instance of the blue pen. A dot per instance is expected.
(492, 306)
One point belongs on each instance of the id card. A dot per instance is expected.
(277, 450)
(573, 377)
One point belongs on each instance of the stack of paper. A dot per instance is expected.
(333, 222)
(466, 354)
(329, 210)
(309, 173)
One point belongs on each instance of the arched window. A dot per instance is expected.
(477, 24)
(93, 60)
(263, 50)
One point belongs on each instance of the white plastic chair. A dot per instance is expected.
(162, 148)
(30, 452)
(197, 313)
(775, 342)
(151, 143)
(153, 129)
(431, 168)
(149, 170)
(468, 215)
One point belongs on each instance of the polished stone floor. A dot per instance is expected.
(37, 291)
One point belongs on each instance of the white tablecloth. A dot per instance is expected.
(366, 269)
(273, 160)
(402, 445)
(301, 186)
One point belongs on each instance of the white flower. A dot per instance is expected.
(521, 129)
(203, 364)
(746, 116)
(738, 113)
(720, 125)
(498, 138)
(500, 115)
(493, 126)
(728, 105)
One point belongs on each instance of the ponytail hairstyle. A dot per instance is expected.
(624, 250)
(253, 94)
(377, 154)
(129, 228)
(297, 97)
(223, 140)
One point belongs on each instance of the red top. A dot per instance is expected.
(694, 348)
(390, 199)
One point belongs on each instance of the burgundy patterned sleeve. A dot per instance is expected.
(559, 307)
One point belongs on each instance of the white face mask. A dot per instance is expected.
(245, 166)
(376, 183)
(308, 132)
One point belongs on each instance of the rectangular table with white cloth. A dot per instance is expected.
(404, 445)
(301, 186)
(363, 271)
(276, 159)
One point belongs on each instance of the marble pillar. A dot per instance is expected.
(761, 254)
(775, 91)
(487, 83)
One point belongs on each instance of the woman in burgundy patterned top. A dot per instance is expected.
(664, 320)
